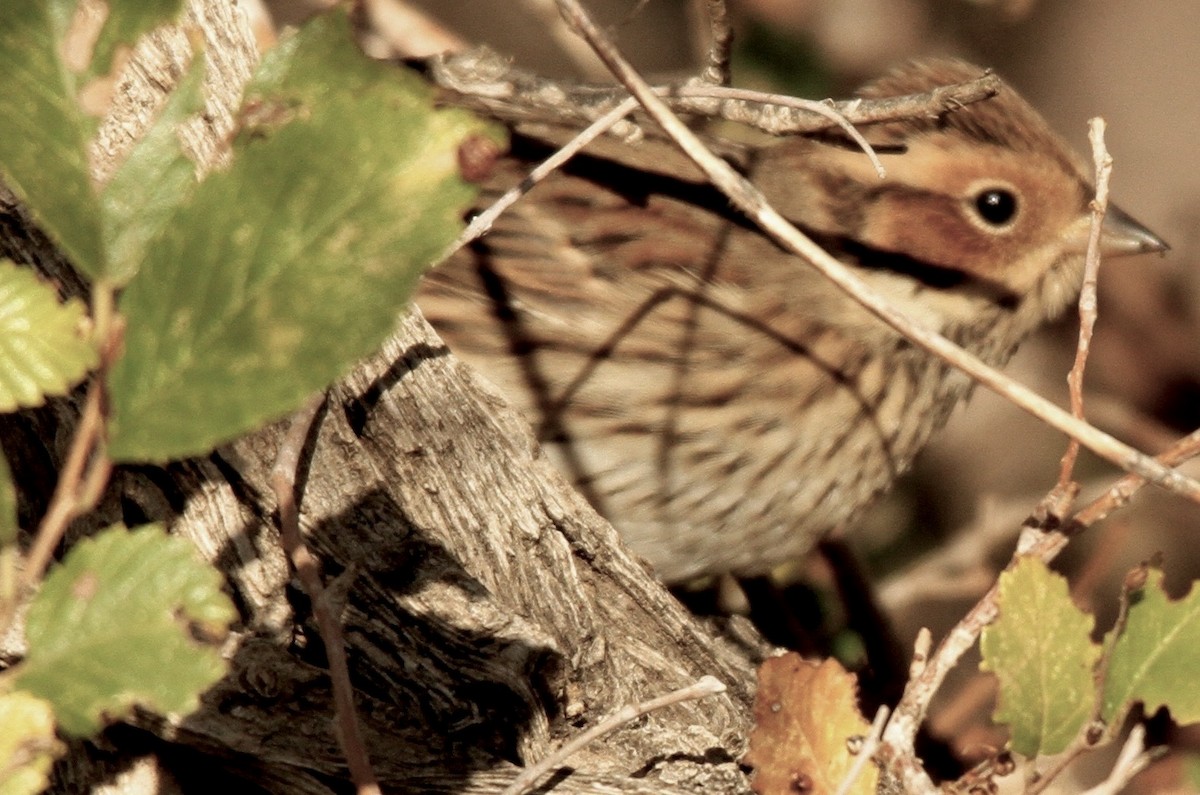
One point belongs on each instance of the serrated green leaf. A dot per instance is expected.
(8, 505)
(286, 268)
(43, 348)
(1041, 651)
(155, 179)
(28, 746)
(43, 133)
(1154, 659)
(116, 625)
(127, 21)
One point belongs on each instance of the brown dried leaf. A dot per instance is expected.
(806, 720)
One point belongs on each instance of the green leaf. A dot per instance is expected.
(127, 21)
(43, 133)
(8, 505)
(43, 346)
(283, 270)
(116, 625)
(1041, 651)
(1154, 659)
(155, 179)
(27, 744)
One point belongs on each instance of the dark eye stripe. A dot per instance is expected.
(930, 274)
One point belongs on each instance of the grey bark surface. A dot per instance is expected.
(489, 611)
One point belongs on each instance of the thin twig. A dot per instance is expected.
(1066, 488)
(308, 569)
(1132, 760)
(486, 82)
(64, 504)
(1087, 296)
(959, 569)
(703, 687)
(826, 110)
(1123, 490)
(716, 71)
(481, 223)
(750, 201)
(921, 647)
(86, 470)
(866, 752)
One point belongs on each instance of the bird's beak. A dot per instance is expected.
(1121, 236)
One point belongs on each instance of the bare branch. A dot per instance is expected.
(308, 569)
(1132, 760)
(486, 82)
(716, 71)
(1087, 297)
(865, 752)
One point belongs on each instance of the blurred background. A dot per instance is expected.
(1132, 62)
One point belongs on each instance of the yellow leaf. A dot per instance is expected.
(806, 725)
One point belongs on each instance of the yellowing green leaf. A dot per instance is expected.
(1041, 651)
(289, 266)
(44, 127)
(43, 348)
(1154, 660)
(129, 618)
(43, 132)
(152, 182)
(28, 746)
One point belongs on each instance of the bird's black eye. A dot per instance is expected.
(997, 206)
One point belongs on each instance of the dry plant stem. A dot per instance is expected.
(87, 468)
(921, 648)
(308, 569)
(481, 223)
(1131, 761)
(704, 686)
(65, 504)
(750, 201)
(717, 71)
(1123, 490)
(760, 109)
(870, 743)
(826, 109)
(487, 83)
(1087, 297)
(745, 106)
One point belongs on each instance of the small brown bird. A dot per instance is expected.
(717, 399)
